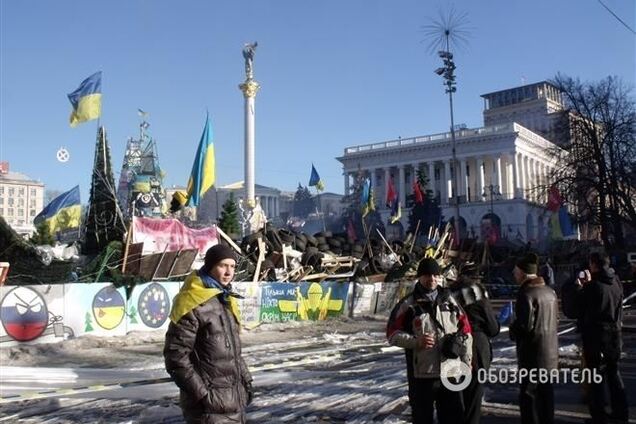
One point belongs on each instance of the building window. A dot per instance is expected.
(21, 191)
(10, 201)
(10, 212)
(32, 192)
(20, 202)
(20, 221)
(32, 203)
(32, 212)
(1, 200)
(11, 191)
(20, 212)
(1, 189)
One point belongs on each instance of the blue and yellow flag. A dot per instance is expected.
(367, 198)
(87, 100)
(202, 176)
(314, 179)
(64, 212)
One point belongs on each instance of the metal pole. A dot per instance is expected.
(449, 83)
(455, 167)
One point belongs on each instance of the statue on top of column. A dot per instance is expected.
(248, 54)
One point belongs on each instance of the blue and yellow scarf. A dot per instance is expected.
(196, 291)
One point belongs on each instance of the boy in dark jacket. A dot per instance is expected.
(534, 329)
(595, 300)
(203, 349)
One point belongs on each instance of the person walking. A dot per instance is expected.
(534, 329)
(432, 328)
(202, 349)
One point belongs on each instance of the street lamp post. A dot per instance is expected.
(448, 73)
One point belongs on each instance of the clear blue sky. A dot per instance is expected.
(333, 74)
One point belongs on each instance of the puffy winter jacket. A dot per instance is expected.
(203, 355)
(534, 327)
(415, 315)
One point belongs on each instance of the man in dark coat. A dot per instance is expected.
(473, 297)
(435, 333)
(203, 350)
(595, 300)
(534, 329)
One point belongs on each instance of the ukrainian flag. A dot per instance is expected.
(62, 213)
(87, 100)
(202, 176)
(314, 179)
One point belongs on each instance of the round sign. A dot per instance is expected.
(24, 314)
(63, 155)
(154, 305)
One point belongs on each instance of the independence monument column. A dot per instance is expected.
(249, 89)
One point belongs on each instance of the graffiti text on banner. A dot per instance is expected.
(272, 294)
(304, 301)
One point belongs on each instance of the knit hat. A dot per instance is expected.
(216, 254)
(529, 264)
(428, 266)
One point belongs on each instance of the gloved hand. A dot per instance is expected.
(250, 392)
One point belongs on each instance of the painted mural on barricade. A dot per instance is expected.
(33, 313)
(149, 305)
(302, 301)
(96, 308)
(52, 313)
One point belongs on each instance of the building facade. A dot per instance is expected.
(502, 174)
(21, 199)
(212, 203)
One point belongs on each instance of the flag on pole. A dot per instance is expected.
(367, 198)
(554, 199)
(396, 209)
(314, 179)
(202, 176)
(417, 192)
(390, 193)
(62, 213)
(87, 100)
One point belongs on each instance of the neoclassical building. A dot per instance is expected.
(503, 167)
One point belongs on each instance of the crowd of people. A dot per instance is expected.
(445, 328)
(436, 324)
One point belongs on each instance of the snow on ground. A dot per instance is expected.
(332, 371)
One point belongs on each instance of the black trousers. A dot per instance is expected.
(607, 367)
(427, 393)
(473, 395)
(536, 402)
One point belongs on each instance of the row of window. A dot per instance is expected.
(11, 202)
(12, 190)
(11, 212)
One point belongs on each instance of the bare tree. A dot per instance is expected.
(596, 171)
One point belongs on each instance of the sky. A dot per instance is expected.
(333, 74)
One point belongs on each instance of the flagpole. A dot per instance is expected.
(324, 227)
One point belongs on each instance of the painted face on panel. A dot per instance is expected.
(108, 308)
(24, 314)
